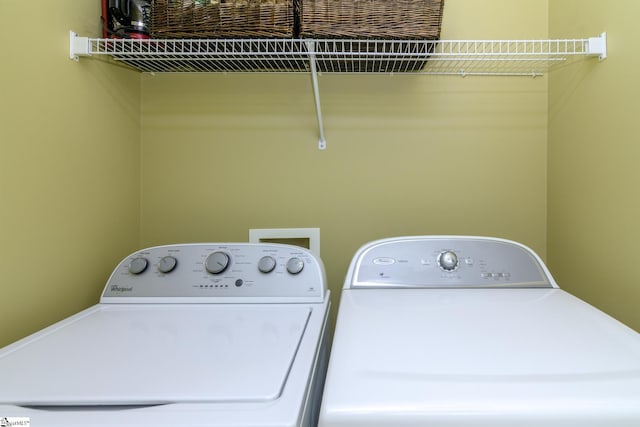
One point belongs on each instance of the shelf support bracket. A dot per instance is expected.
(78, 46)
(311, 48)
(598, 46)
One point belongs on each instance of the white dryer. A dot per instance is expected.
(471, 331)
(184, 335)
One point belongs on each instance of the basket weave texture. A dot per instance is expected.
(222, 19)
(377, 19)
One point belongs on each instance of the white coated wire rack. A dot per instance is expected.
(448, 57)
(458, 57)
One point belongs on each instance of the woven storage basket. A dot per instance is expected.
(222, 19)
(373, 19)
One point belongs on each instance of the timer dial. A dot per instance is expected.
(138, 265)
(266, 264)
(167, 264)
(217, 262)
(295, 265)
(448, 260)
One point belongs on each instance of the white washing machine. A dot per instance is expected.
(184, 335)
(472, 331)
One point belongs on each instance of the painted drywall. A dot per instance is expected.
(406, 155)
(222, 154)
(69, 165)
(594, 203)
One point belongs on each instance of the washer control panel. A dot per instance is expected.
(432, 261)
(218, 270)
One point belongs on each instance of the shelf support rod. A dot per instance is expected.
(78, 46)
(311, 48)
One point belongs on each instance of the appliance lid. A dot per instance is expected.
(156, 354)
(463, 351)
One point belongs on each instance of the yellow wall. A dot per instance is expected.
(406, 154)
(594, 201)
(69, 165)
(97, 160)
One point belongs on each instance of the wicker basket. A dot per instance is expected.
(372, 19)
(222, 19)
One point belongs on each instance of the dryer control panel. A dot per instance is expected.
(218, 272)
(446, 262)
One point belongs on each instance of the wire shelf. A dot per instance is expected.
(454, 57)
(459, 57)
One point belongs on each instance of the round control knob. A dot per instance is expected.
(138, 265)
(448, 260)
(167, 264)
(217, 262)
(266, 264)
(295, 265)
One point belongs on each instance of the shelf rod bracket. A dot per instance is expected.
(78, 46)
(311, 48)
(598, 46)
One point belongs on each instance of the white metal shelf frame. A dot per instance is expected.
(443, 57)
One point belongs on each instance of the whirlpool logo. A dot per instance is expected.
(121, 289)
